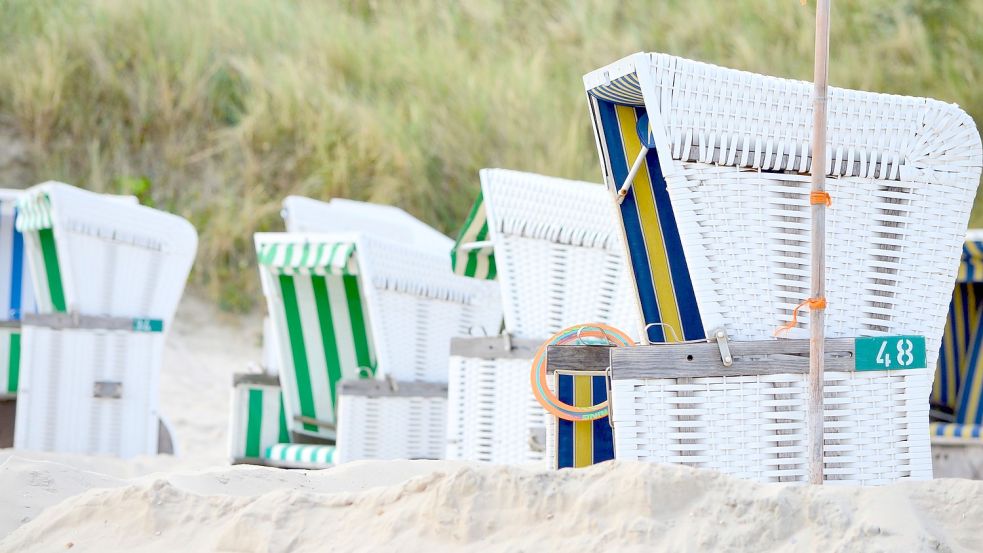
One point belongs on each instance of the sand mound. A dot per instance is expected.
(431, 506)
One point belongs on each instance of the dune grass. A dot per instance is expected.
(217, 109)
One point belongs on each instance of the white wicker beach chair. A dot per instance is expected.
(717, 223)
(302, 214)
(108, 276)
(350, 306)
(560, 261)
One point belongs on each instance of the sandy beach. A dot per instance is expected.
(437, 506)
(197, 502)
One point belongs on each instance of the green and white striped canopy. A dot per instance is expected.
(321, 319)
(34, 212)
(332, 258)
(473, 255)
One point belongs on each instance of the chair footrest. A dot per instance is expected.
(300, 455)
(956, 433)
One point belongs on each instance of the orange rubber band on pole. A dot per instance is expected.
(818, 197)
(813, 303)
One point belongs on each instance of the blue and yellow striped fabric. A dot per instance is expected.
(581, 444)
(964, 311)
(662, 278)
(957, 431)
(958, 386)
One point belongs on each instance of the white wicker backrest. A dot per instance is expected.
(340, 215)
(116, 257)
(734, 148)
(559, 254)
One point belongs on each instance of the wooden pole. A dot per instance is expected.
(817, 318)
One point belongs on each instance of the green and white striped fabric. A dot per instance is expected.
(321, 324)
(473, 256)
(35, 222)
(305, 454)
(34, 212)
(335, 258)
(9, 361)
(258, 419)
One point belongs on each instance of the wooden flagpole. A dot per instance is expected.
(817, 316)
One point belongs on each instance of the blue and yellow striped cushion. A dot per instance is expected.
(581, 444)
(655, 250)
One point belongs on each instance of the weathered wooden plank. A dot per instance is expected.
(495, 347)
(374, 387)
(578, 358)
(749, 359)
(63, 321)
(255, 378)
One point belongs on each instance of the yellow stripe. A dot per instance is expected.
(950, 431)
(961, 275)
(951, 368)
(966, 328)
(651, 229)
(583, 435)
(975, 390)
(974, 250)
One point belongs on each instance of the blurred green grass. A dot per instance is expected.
(217, 109)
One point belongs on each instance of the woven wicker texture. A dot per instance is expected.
(56, 407)
(726, 186)
(492, 414)
(113, 257)
(559, 254)
(395, 427)
(876, 426)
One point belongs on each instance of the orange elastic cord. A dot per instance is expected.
(817, 198)
(813, 303)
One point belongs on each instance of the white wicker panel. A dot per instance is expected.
(392, 427)
(492, 414)
(559, 254)
(56, 407)
(417, 305)
(746, 237)
(876, 428)
(116, 257)
(340, 215)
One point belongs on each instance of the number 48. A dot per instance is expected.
(905, 356)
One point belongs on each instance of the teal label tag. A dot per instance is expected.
(888, 353)
(148, 325)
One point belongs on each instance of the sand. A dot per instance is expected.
(196, 502)
(438, 506)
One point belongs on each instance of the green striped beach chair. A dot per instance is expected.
(349, 306)
(108, 276)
